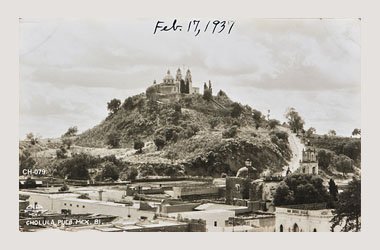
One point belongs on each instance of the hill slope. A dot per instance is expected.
(200, 137)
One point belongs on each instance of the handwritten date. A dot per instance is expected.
(196, 26)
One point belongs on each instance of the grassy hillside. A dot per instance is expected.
(197, 136)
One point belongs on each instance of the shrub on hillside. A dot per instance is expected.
(113, 140)
(159, 141)
(231, 132)
(138, 145)
(237, 110)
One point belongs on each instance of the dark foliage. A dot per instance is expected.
(159, 141)
(138, 145)
(301, 189)
(294, 120)
(114, 105)
(113, 139)
(26, 161)
(207, 95)
(72, 131)
(333, 190)
(350, 147)
(348, 208)
(273, 123)
(237, 109)
(110, 171)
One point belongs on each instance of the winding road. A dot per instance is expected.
(296, 146)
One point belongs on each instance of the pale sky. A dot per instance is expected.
(70, 69)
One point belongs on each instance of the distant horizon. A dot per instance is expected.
(70, 69)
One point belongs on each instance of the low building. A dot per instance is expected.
(304, 218)
(215, 219)
(68, 203)
(196, 192)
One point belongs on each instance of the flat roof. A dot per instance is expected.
(217, 211)
(216, 206)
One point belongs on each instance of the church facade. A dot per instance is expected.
(177, 85)
(309, 162)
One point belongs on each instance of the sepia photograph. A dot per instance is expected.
(189, 125)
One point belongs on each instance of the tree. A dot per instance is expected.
(110, 172)
(61, 152)
(182, 87)
(283, 195)
(128, 104)
(294, 119)
(207, 95)
(357, 131)
(348, 208)
(159, 141)
(333, 190)
(33, 138)
(72, 131)
(77, 166)
(301, 189)
(26, 161)
(29, 136)
(132, 173)
(113, 140)
(67, 142)
(256, 115)
(273, 123)
(332, 133)
(114, 105)
(138, 145)
(221, 93)
(310, 131)
(325, 158)
(342, 163)
(237, 109)
(151, 92)
(147, 170)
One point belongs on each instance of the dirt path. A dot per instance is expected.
(296, 146)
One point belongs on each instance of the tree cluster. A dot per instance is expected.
(301, 189)
(347, 211)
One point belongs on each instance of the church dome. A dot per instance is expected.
(168, 78)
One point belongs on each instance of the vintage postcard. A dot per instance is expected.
(190, 125)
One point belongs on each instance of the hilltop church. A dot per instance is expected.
(177, 85)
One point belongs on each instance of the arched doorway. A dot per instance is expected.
(315, 230)
(281, 228)
(296, 228)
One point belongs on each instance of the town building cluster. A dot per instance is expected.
(233, 204)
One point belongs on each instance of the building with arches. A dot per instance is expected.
(304, 218)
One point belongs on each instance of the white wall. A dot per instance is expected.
(307, 220)
(212, 216)
(56, 202)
